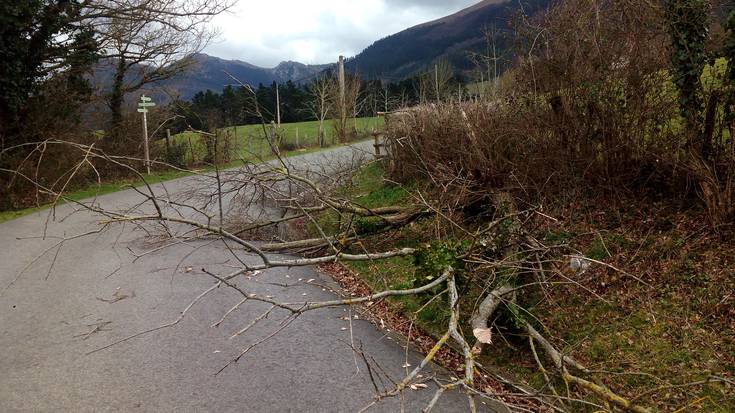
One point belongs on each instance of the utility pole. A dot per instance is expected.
(342, 82)
(342, 102)
(278, 105)
(342, 86)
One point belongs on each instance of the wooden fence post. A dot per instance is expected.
(378, 144)
(168, 141)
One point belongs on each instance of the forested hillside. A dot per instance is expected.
(453, 37)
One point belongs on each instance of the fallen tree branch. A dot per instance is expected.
(485, 310)
(602, 391)
(303, 262)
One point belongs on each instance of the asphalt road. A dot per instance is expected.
(97, 292)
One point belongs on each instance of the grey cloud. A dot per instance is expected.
(333, 36)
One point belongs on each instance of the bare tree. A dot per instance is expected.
(321, 103)
(487, 64)
(344, 126)
(146, 41)
(434, 83)
(491, 41)
(442, 76)
(424, 87)
(389, 102)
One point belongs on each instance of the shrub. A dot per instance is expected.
(592, 109)
(176, 154)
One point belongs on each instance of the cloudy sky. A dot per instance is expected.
(266, 32)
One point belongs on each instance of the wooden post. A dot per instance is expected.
(342, 98)
(436, 81)
(377, 135)
(342, 83)
(297, 138)
(168, 141)
(278, 105)
(145, 144)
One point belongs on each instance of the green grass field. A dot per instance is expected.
(250, 141)
(249, 144)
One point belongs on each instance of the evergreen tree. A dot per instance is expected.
(42, 44)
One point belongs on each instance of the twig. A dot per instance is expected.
(164, 326)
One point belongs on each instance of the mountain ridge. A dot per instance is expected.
(453, 37)
(214, 73)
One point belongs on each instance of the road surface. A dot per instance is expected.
(97, 292)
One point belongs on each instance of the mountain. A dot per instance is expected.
(214, 73)
(453, 37)
(393, 58)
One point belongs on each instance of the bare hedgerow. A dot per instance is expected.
(590, 108)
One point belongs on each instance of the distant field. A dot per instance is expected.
(250, 141)
(249, 144)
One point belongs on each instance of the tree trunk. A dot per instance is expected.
(709, 125)
(321, 133)
(116, 99)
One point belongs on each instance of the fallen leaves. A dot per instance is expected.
(417, 386)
